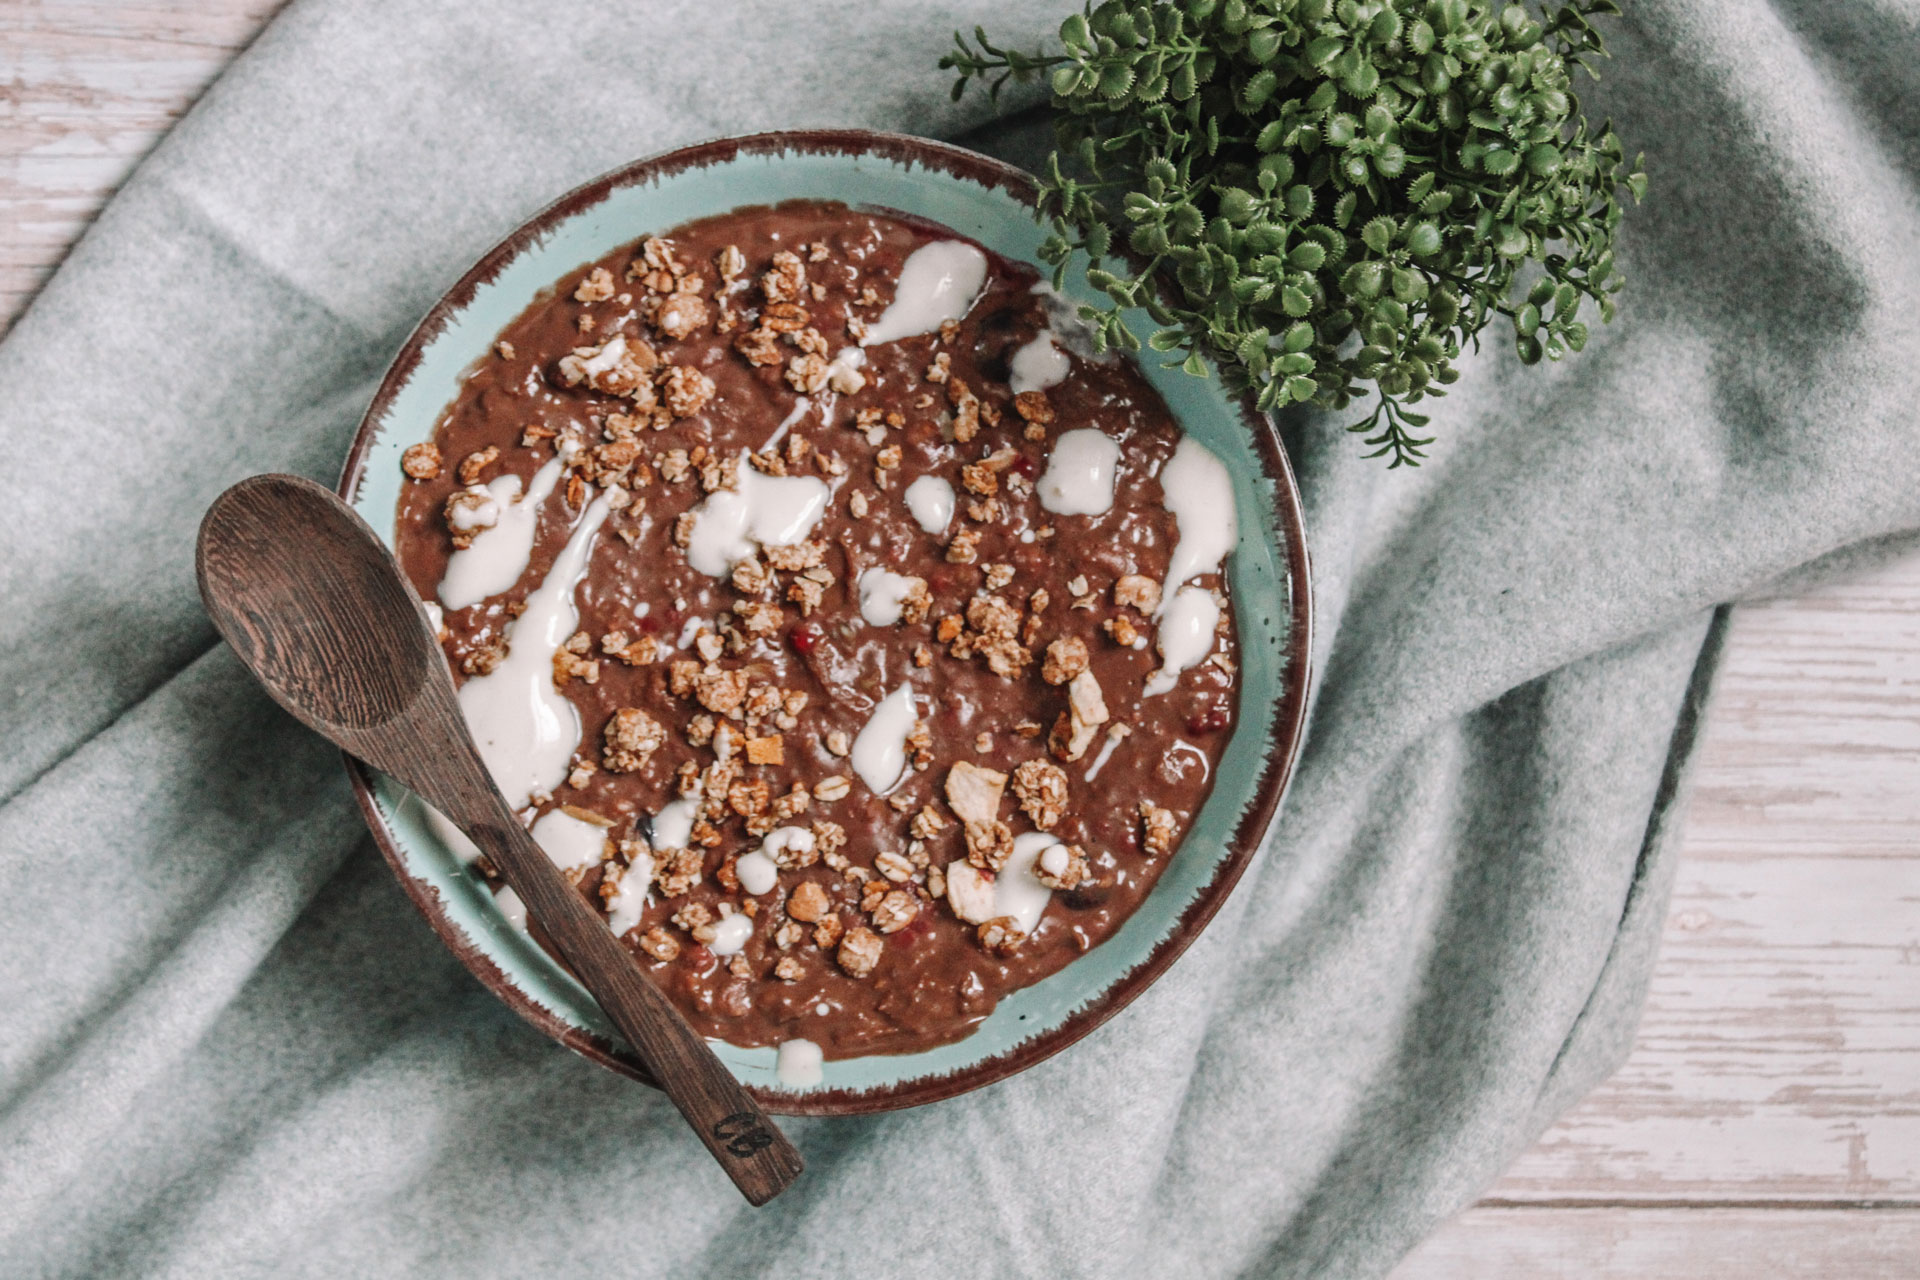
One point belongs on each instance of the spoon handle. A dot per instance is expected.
(753, 1151)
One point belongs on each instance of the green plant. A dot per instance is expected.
(1344, 192)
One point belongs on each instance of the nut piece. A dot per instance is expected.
(680, 315)
(421, 461)
(1033, 406)
(685, 390)
(1142, 592)
(1065, 659)
(808, 902)
(1156, 830)
(859, 951)
(596, 287)
(767, 750)
(1002, 936)
(1042, 789)
(896, 911)
(974, 793)
(632, 736)
(660, 944)
(989, 844)
(969, 893)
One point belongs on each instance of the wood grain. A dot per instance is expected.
(1779, 1057)
(1648, 1244)
(85, 91)
(1778, 1067)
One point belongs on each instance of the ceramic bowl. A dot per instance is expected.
(993, 204)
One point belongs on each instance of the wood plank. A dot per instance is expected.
(1779, 1057)
(1670, 1244)
(85, 91)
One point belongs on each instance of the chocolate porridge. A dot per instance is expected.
(844, 627)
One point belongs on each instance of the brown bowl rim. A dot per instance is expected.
(1289, 710)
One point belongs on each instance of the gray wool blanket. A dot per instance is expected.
(229, 1047)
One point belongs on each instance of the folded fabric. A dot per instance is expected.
(230, 1047)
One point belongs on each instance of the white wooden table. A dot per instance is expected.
(1768, 1123)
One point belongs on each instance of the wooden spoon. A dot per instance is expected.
(315, 605)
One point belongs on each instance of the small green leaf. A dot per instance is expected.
(1423, 240)
(1324, 50)
(1259, 90)
(1363, 280)
(1237, 205)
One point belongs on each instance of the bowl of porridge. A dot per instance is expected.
(907, 679)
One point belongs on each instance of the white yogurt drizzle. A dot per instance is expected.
(883, 595)
(786, 840)
(630, 896)
(880, 749)
(1039, 365)
(673, 825)
(938, 282)
(498, 555)
(1079, 477)
(798, 1063)
(1185, 636)
(1015, 891)
(570, 844)
(525, 728)
(730, 933)
(758, 873)
(794, 415)
(764, 511)
(689, 631)
(1103, 755)
(846, 358)
(514, 911)
(1198, 491)
(930, 502)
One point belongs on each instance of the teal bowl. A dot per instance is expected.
(993, 204)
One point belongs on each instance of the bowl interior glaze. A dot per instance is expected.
(991, 203)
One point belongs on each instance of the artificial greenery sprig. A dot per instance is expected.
(1344, 191)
